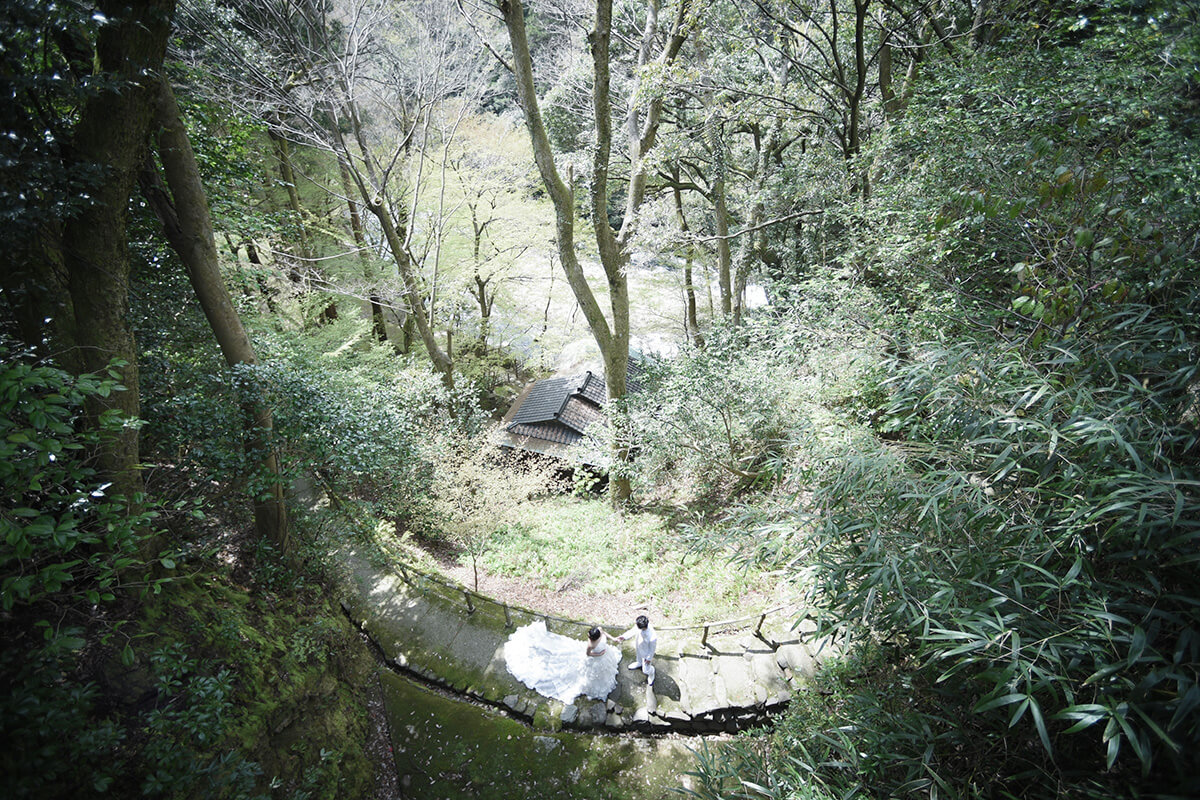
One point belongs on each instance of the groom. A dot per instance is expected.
(645, 643)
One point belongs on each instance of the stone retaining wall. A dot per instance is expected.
(737, 682)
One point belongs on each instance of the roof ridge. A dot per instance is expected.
(579, 382)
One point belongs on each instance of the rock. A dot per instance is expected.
(610, 705)
(512, 701)
(797, 658)
(719, 692)
(544, 718)
(677, 717)
(546, 744)
(570, 714)
(593, 715)
(614, 721)
(641, 715)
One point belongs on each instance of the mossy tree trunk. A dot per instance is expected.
(93, 252)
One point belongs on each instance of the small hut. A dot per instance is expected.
(553, 414)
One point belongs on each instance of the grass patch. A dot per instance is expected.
(587, 546)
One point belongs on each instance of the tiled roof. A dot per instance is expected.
(548, 431)
(560, 409)
(578, 413)
(544, 401)
(592, 387)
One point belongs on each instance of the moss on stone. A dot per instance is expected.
(447, 749)
(298, 709)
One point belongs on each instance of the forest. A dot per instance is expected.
(896, 303)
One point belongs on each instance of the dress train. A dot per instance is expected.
(559, 667)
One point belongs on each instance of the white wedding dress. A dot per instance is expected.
(559, 667)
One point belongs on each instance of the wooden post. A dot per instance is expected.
(704, 639)
(470, 606)
(507, 617)
(758, 631)
(404, 574)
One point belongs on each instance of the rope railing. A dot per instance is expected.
(472, 597)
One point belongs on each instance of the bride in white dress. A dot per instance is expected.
(559, 667)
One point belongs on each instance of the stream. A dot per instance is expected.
(446, 749)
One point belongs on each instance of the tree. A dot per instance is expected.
(613, 341)
(379, 90)
(479, 491)
(184, 214)
(77, 270)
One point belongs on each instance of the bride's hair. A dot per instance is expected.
(594, 634)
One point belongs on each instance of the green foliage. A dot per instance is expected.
(49, 724)
(230, 669)
(713, 415)
(477, 491)
(62, 538)
(365, 426)
(185, 729)
(1033, 546)
(89, 706)
(1020, 536)
(1053, 177)
(45, 74)
(584, 481)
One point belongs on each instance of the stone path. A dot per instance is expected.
(425, 629)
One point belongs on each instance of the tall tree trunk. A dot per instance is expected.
(910, 76)
(412, 290)
(716, 141)
(854, 98)
(613, 342)
(188, 226)
(753, 244)
(259, 279)
(981, 28)
(643, 132)
(689, 287)
(375, 199)
(360, 241)
(95, 254)
(485, 300)
(283, 158)
(613, 256)
(891, 103)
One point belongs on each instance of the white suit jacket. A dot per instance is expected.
(645, 641)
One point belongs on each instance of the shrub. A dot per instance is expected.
(1033, 545)
(62, 538)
